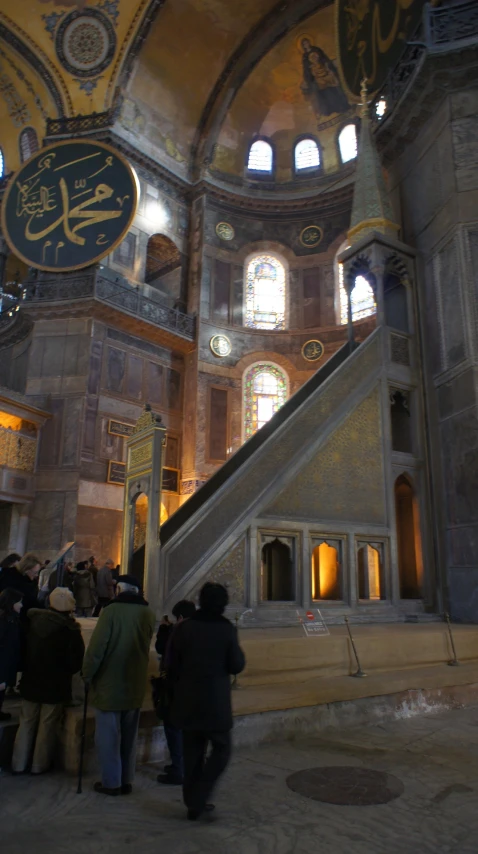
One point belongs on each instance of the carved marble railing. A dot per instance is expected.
(100, 285)
(442, 29)
(448, 24)
(17, 451)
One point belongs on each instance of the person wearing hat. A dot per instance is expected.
(116, 669)
(54, 652)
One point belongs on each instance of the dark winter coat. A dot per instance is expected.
(162, 637)
(10, 577)
(84, 589)
(54, 652)
(203, 653)
(10, 647)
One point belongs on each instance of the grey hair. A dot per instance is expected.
(126, 588)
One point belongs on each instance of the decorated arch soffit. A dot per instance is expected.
(67, 55)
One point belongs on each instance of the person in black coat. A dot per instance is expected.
(204, 653)
(54, 652)
(23, 577)
(10, 642)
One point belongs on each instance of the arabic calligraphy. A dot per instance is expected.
(311, 235)
(313, 350)
(69, 206)
(372, 35)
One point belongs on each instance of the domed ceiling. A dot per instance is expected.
(294, 90)
(198, 78)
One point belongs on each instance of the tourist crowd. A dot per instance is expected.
(41, 640)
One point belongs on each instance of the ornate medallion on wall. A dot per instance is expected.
(225, 231)
(311, 236)
(85, 42)
(220, 345)
(313, 350)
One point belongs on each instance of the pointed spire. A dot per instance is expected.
(371, 210)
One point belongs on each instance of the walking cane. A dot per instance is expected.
(82, 741)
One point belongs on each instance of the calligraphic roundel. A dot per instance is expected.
(69, 205)
(372, 35)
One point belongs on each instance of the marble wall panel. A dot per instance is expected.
(51, 435)
(45, 529)
(460, 464)
(98, 531)
(94, 373)
(134, 385)
(53, 354)
(451, 298)
(72, 430)
(115, 369)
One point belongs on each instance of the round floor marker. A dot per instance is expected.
(346, 786)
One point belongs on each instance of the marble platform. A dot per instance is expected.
(295, 683)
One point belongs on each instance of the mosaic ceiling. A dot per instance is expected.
(191, 73)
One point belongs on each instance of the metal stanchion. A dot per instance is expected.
(454, 661)
(234, 685)
(359, 674)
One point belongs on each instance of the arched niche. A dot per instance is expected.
(326, 571)
(277, 570)
(370, 570)
(163, 267)
(410, 567)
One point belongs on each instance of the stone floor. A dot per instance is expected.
(435, 757)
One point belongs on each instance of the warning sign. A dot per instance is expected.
(313, 623)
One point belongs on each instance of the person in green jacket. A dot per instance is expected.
(115, 668)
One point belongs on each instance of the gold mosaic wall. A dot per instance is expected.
(345, 480)
(17, 451)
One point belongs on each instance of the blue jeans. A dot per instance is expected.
(174, 738)
(116, 735)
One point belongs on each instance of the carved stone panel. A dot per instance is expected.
(229, 571)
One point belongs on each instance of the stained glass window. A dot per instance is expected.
(2, 164)
(265, 390)
(348, 143)
(265, 293)
(363, 298)
(28, 143)
(306, 154)
(260, 156)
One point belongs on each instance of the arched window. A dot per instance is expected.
(348, 143)
(362, 299)
(306, 155)
(28, 143)
(261, 157)
(2, 164)
(265, 390)
(265, 293)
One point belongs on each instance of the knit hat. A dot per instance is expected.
(62, 599)
(129, 579)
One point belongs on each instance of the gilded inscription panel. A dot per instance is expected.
(140, 456)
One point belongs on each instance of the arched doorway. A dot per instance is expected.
(163, 267)
(140, 527)
(410, 567)
(326, 575)
(278, 582)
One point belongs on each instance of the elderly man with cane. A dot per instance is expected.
(115, 670)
